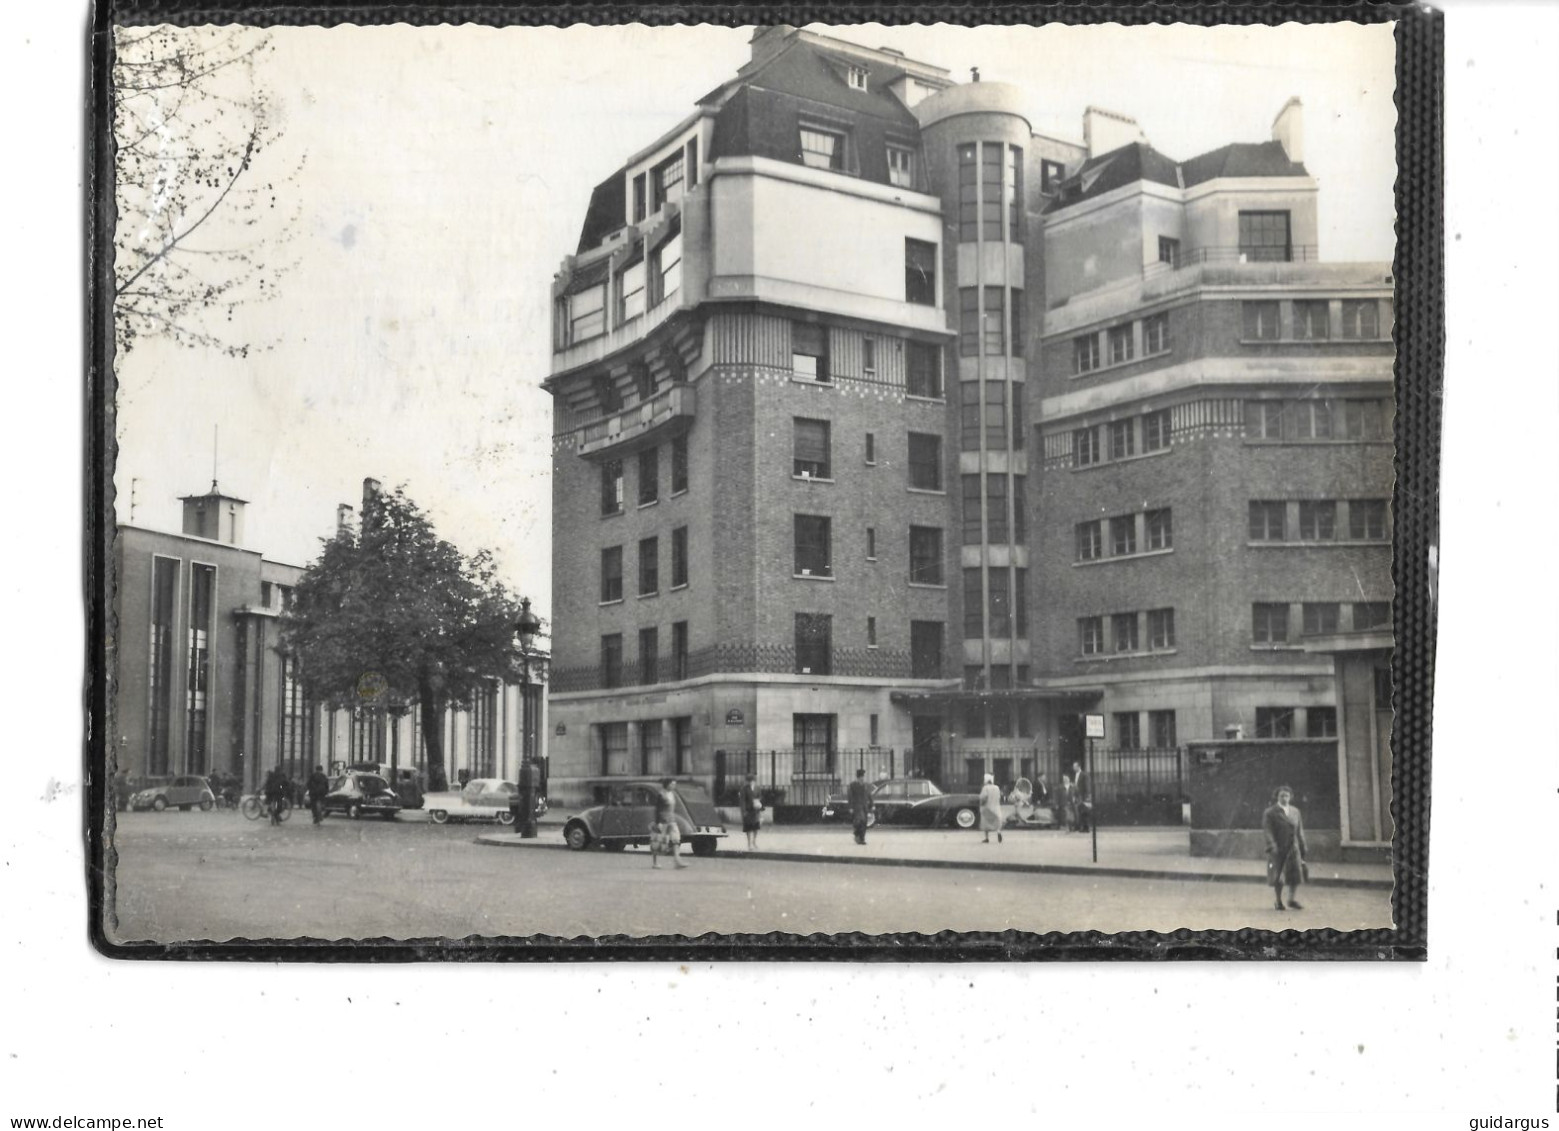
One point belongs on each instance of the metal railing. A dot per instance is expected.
(803, 777)
(882, 663)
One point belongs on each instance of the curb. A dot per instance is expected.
(1128, 873)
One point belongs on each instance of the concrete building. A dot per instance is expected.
(846, 363)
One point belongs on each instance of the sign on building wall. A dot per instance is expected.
(734, 718)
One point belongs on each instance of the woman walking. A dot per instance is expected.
(990, 809)
(1285, 831)
(752, 810)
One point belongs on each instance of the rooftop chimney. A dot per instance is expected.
(974, 74)
(1105, 131)
(343, 517)
(1288, 129)
(768, 41)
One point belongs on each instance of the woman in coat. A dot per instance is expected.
(1286, 848)
(990, 809)
(751, 800)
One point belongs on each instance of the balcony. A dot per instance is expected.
(667, 413)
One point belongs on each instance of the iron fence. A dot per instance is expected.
(802, 777)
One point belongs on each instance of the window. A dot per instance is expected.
(925, 461)
(1161, 630)
(1122, 439)
(1371, 614)
(1085, 447)
(1169, 251)
(612, 660)
(812, 537)
(1161, 729)
(649, 476)
(1320, 618)
(649, 566)
(809, 351)
(925, 555)
(1274, 722)
(1264, 237)
(295, 744)
(974, 604)
(822, 149)
(666, 267)
(1123, 535)
(679, 665)
(995, 415)
(1090, 635)
(920, 272)
(969, 415)
(614, 748)
(1312, 320)
(1309, 420)
(682, 734)
(679, 465)
(871, 543)
(1090, 541)
(1085, 353)
(1321, 722)
(990, 191)
(994, 322)
(197, 674)
(1266, 520)
(1317, 520)
(1017, 418)
(871, 449)
(630, 291)
(1361, 420)
(871, 632)
(1261, 321)
(612, 487)
(643, 383)
(1014, 194)
(1264, 420)
(612, 574)
(810, 454)
(1051, 174)
(999, 583)
(1360, 318)
(607, 393)
(923, 370)
(968, 201)
(679, 557)
(968, 321)
(649, 648)
(1155, 431)
(1127, 734)
(869, 356)
(1020, 602)
(856, 76)
(996, 508)
(1367, 520)
(1120, 344)
(901, 166)
(692, 163)
(649, 746)
(973, 528)
(1123, 632)
(812, 738)
(1017, 507)
(1155, 334)
(1160, 529)
(587, 314)
(1269, 623)
(639, 208)
(814, 649)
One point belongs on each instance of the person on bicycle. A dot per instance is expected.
(277, 787)
(318, 786)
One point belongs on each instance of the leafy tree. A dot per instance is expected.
(391, 615)
(198, 232)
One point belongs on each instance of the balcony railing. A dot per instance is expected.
(777, 659)
(673, 405)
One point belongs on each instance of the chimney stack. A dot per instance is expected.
(768, 41)
(343, 517)
(1105, 131)
(1288, 129)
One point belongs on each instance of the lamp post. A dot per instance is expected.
(526, 628)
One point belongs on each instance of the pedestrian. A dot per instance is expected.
(1082, 802)
(667, 834)
(318, 786)
(122, 791)
(860, 805)
(277, 787)
(1066, 803)
(1285, 832)
(752, 810)
(1041, 791)
(990, 809)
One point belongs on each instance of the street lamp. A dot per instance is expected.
(526, 628)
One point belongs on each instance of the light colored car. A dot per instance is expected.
(481, 799)
(628, 815)
(186, 791)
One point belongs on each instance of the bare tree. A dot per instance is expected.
(199, 231)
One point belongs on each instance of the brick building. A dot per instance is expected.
(880, 493)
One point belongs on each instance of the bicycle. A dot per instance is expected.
(254, 807)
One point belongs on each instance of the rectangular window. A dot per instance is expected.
(869, 357)
(1274, 722)
(1018, 507)
(1122, 439)
(925, 461)
(809, 351)
(1308, 420)
(649, 476)
(587, 314)
(612, 660)
(920, 272)
(968, 322)
(1267, 520)
(1312, 320)
(822, 149)
(1085, 447)
(665, 275)
(679, 664)
(871, 449)
(1361, 420)
(1261, 321)
(856, 77)
(1369, 615)
(649, 650)
(1169, 251)
(643, 383)
(1264, 237)
(682, 733)
(968, 200)
(612, 487)
(1085, 353)
(814, 643)
(1161, 629)
(630, 292)
(974, 604)
(1321, 722)
(1090, 541)
(1269, 623)
(996, 508)
(990, 191)
(1155, 334)
(649, 746)
(612, 574)
(1161, 730)
(812, 738)
(974, 532)
(925, 555)
(1090, 635)
(969, 415)
(1367, 520)
(901, 167)
(614, 748)
(1155, 431)
(1160, 529)
(1360, 319)
(649, 566)
(871, 632)
(1120, 344)
(996, 415)
(1020, 602)
(812, 551)
(1317, 520)
(1264, 420)
(202, 594)
(923, 370)
(1016, 336)
(994, 321)
(639, 205)
(1014, 194)
(692, 163)
(810, 450)
(678, 557)
(679, 465)
(480, 735)
(1123, 632)
(1000, 584)
(1127, 734)
(1123, 535)
(1321, 618)
(1017, 418)
(871, 543)
(1051, 174)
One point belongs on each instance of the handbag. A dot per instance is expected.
(660, 840)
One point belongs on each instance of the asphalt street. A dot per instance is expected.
(216, 876)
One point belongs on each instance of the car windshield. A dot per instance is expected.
(372, 784)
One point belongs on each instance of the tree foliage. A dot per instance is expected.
(391, 615)
(199, 232)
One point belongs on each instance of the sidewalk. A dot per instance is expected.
(1136, 853)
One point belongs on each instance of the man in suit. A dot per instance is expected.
(1285, 832)
(860, 805)
(1082, 808)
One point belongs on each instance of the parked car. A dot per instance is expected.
(410, 783)
(358, 794)
(911, 801)
(185, 791)
(629, 812)
(482, 799)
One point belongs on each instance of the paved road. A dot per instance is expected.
(184, 876)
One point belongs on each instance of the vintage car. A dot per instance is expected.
(185, 791)
(409, 782)
(359, 794)
(629, 812)
(481, 799)
(911, 801)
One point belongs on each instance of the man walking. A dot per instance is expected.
(860, 805)
(318, 786)
(667, 834)
(1082, 785)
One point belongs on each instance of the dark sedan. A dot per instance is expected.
(911, 801)
(629, 813)
(359, 795)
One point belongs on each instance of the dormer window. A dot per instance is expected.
(856, 76)
(822, 149)
(901, 166)
(668, 180)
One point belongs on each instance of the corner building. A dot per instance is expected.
(808, 409)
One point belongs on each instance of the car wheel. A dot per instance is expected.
(506, 817)
(354, 810)
(578, 837)
(705, 845)
(207, 805)
(966, 818)
(159, 804)
(438, 816)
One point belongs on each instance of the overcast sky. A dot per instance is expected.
(447, 173)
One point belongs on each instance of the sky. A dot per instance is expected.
(443, 173)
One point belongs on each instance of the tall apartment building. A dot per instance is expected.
(838, 366)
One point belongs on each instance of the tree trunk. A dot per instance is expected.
(433, 735)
